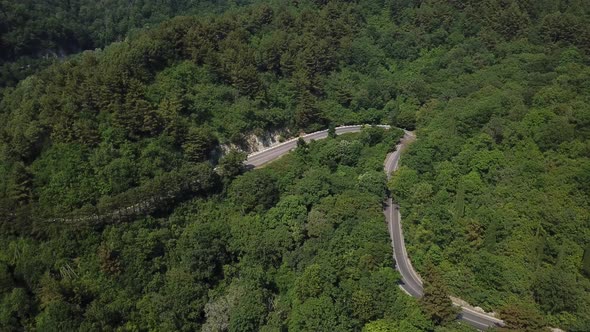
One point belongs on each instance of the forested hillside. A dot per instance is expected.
(494, 192)
(35, 33)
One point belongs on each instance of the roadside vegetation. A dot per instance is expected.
(495, 190)
(298, 245)
(494, 193)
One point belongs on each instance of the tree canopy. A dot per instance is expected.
(124, 203)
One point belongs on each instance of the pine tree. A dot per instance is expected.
(491, 236)
(512, 21)
(460, 202)
(519, 317)
(19, 186)
(306, 111)
(152, 123)
(197, 144)
(435, 301)
(130, 114)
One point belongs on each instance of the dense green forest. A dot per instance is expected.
(302, 239)
(36, 33)
(494, 192)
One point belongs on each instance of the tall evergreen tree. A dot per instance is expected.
(436, 302)
(198, 143)
(19, 186)
(491, 236)
(518, 317)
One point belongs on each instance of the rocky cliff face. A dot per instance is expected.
(254, 142)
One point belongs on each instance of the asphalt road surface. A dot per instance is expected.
(411, 282)
(260, 158)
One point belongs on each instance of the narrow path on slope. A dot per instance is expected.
(411, 282)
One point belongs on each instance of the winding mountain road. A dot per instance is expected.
(411, 282)
(273, 152)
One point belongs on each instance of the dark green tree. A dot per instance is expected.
(20, 184)
(254, 191)
(555, 290)
(315, 314)
(302, 148)
(15, 308)
(332, 131)
(519, 317)
(436, 302)
(491, 235)
(249, 312)
(231, 164)
(197, 144)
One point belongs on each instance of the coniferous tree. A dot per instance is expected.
(197, 144)
(435, 301)
(519, 317)
(491, 235)
(19, 186)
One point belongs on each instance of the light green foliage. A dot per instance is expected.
(318, 224)
(249, 312)
(315, 314)
(556, 291)
(314, 185)
(402, 113)
(341, 152)
(314, 281)
(493, 168)
(372, 135)
(402, 182)
(372, 182)
(56, 317)
(381, 325)
(586, 261)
